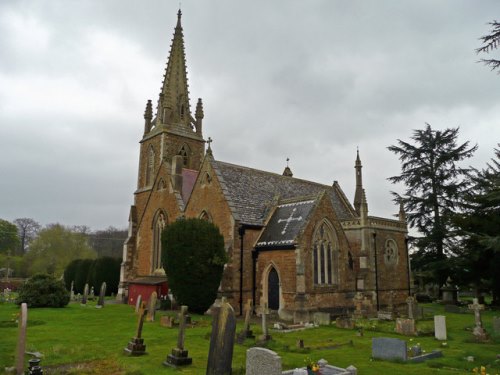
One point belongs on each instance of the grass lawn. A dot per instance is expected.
(86, 340)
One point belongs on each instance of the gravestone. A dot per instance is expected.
(411, 306)
(85, 295)
(138, 303)
(262, 361)
(321, 318)
(358, 303)
(405, 327)
(265, 332)
(179, 356)
(220, 354)
(168, 321)
(72, 292)
(136, 346)
(152, 307)
(102, 293)
(21, 340)
(246, 331)
(440, 327)
(496, 324)
(479, 332)
(344, 322)
(389, 348)
(91, 296)
(449, 292)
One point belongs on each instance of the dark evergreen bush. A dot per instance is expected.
(193, 257)
(82, 274)
(105, 269)
(43, 290)
(70, 273)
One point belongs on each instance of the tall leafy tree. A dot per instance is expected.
(434, 186)
(9, 239)
(193, 256)
(27, 229)
(491, 41)
(479, 259)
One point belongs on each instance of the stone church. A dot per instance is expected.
(296, 245)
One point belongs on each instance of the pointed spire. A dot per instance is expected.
(173, 105)
(287, 172)
(359, 184)
(363, 208)
(148, 116)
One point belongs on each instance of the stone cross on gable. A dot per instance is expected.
(289, 220)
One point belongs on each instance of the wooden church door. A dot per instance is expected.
(273, 290)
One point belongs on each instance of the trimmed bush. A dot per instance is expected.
(70, 273)
(43, 290)
(193, 256)
(82, 274)
(105, 269)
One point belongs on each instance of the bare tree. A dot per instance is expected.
(28, 230)
(491, 41)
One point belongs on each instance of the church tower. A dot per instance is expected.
(173, 130)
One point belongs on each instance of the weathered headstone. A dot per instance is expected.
(389, 348)
(265, 332)
(440, 327)
(136, 346)
(344, 322)
(167, 321)
(479, 332)
(358, 303)
(138, 303)
(262, 361)
(152, 307)
(179, 356)
(21, 340)
(322, 319)
(72, 292)
(220, 354)
(411, 306)
(102, 293)
(405, 327)
(246, 331)
(85, 295)
(91, 294)
(449, 292)
(496, 324)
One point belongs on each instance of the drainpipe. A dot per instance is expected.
(374, 234)
(255, 255)
(241, 232)
(408, 265)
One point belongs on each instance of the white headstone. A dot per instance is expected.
(440, 327)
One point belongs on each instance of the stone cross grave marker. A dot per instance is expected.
(152, 307)
(21, 340)
(265, 332)
(411, 302)
(179, 356)
(479, 332)
(102, 293)
(440, 327)
(389, 348)
(262, 361)
(220, 355)
(85, 295)
(246, 332)
(138, 303)
(136, 346)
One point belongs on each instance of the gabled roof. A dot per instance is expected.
(251, 193)
(285, 224)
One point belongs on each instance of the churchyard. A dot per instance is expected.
(87, 340)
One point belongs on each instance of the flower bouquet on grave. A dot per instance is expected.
(312, 367)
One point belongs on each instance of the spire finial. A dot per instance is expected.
(287, 160)
(179, 15)
(209, 149)
(287, 172)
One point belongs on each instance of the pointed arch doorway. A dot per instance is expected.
(273, 290)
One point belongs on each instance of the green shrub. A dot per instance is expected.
(82, 274)
(43, 290)
(70, 273)
(193, 257)
(105, 269)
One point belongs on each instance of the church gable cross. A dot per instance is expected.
(289, 220)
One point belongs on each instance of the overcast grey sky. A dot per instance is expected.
(308, 80)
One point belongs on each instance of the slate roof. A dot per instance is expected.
(188, 179)
(251, 193)
(285, 224)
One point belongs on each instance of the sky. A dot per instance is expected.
(306, 80)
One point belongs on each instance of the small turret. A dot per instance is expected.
(363, 207)
(199, 116)
(402, 213)
(148, 116)
(358, 195)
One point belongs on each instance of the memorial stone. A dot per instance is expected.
(102, 294)
(246, 332)
(136, 346)
(389, 348)
(152, 307)
(265, 332)
(479, 332)
(138, 303)
(179, 355)
(21, 340)
(85, 295)
(262, 361)
(440, 327)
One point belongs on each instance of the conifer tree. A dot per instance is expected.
(434, 189)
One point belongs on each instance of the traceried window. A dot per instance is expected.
(325, 255)
(184, 152)
(150, 167)
(159, 223)
(391, 252)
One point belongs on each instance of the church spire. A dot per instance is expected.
(173, 104)
(358, 195)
